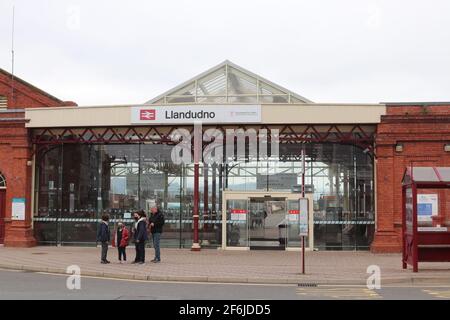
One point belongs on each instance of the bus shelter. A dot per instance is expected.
(426, 215)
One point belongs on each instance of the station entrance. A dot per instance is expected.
(263, 220)
(115, 159)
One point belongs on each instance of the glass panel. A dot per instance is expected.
(424, 174)
(237, 223)
(188, 90)
(406, 178)
(212, 84)
(183, 95)
(48, 190)
(409, 210)
(342, 176)
(240, 83)
(45, 231)
(48, 182)
(242, 99)
(293, 213)
(207, 99)
(267, 219)
(161, 184)
(267, 89)
(275, 223)
(295, 100)
(444, 206)
(180, 99)
(445, 174)
(431, 208)
(160, 101)
(79, 232)
(274, 99)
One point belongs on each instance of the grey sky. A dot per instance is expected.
(114, 52)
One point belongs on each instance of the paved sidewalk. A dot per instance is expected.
(210, 265)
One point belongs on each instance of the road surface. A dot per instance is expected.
(31, 285)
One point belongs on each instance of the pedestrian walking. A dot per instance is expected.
(156, 223)
(121, 241)
(141, 237)
(104, 236)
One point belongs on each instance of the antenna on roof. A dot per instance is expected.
(12, 55)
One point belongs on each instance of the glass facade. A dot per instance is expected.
(76, 183)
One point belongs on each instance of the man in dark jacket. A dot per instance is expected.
(103, 236)
(140, 237)
(156, 223)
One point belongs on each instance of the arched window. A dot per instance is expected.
(2, 181)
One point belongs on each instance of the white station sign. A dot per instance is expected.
(189, 114)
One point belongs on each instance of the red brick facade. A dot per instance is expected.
(16, 154)
(420, 131)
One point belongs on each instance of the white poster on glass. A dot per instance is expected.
(427, 206)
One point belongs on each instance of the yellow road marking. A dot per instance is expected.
(339, 293)
(443, 294)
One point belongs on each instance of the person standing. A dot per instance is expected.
(104, 236)
(141, 237)
(134, 234)
(156, 223)
(122, 236)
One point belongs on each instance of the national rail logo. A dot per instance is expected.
(147, 114)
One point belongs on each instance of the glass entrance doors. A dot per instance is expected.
(264, 220)
(267, 223)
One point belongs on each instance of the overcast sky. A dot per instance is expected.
(127, 52)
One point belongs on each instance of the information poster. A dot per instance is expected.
(303, 218)
(293, 215)
(127, 215)
(427, 206)
(18, 209)
(238, 215)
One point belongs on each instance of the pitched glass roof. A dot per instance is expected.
(228, 83)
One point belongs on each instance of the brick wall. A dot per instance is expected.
(16, 152)
(422, 130)
(26, 95)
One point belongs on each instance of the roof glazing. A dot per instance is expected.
(228, 83)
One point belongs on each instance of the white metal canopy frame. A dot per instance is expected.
(228, 83)
(2, 181)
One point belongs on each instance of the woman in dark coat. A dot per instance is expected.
(140, 237)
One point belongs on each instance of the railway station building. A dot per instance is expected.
(63, 165)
